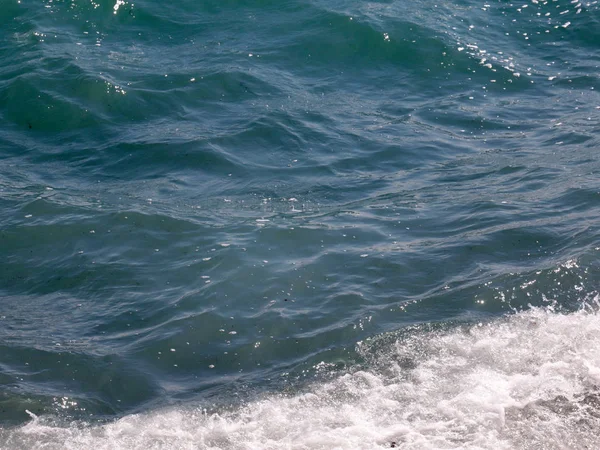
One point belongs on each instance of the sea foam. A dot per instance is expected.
(528, 380)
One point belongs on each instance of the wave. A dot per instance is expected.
(528, 380)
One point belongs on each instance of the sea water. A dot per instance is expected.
(321, 224)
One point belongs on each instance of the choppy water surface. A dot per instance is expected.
(299, 224)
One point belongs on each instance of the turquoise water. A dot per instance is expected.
(299, 224)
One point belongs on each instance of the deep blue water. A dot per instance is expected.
(299, 224)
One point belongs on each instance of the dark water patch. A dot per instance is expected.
(45, 373)
(33, 108)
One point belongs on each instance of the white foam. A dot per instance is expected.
(527, 381)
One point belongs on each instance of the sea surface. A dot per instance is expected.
(299, 224)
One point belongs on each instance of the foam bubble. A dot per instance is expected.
(530, 380)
